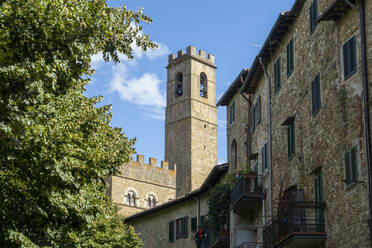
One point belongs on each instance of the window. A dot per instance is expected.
(313, 16)
(351, 164)
(290, 59)
(193, 224)
(131, 198)
(234, 154)
(232, 113)
(203, 85)
(277, 75)
(258, 110)
(315, 94)
(251, 119)
(179, 84)
(349, 55)
(171, 231)
(151, 201)
(291, 139)
(264, 156)
(181, 228)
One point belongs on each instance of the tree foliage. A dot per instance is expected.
(219, 206)
(56, 147)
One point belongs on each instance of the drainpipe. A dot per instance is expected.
(270, 138)
(366, 110)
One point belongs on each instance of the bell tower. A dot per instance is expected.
(191, 117)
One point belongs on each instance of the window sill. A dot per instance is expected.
(346, 77)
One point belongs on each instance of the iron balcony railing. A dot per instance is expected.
(246, 186)
(298, 218)
(250, 245)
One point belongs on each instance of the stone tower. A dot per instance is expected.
(191, 117)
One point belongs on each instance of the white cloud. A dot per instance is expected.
(160, 51)
(143, 90)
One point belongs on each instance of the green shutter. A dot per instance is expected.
(352, 53)
(345, 53)
(354, 164)
(291, 139)
(313, 16)
(313, 97)
(185, 226)
(171, 231)
(258, 110)
(315, 94)
(263, 157)
(290, 62)
(193, 224)
(277, 73)
(347, 163)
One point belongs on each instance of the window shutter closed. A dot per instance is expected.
(258, 109)
(171, 231)
(345, 51)
(185, 226)
(354, 164)
(347, 160)
(352, 54)
(277, 75)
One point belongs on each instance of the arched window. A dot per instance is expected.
(179, 84)
(203, 85)
(131, 198)
(151, 201)
(233, 153)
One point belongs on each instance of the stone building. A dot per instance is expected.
(175, 223)
(141, 186)
(190, 139)
(308, 131)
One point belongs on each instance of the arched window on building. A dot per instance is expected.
(151, 201)
(131, 198)
(179, 84)
(203, 85)
(233, 152)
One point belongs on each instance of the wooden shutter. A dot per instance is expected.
(291, 139)
(185, 226)
(354, 164)
(313, 16)
(263, 157)
(319, 187)
(313, 97)
(193, 224)
(352, 54)
(345, 53)
(251, 116)
(315, 94)
(347, 163)
(171, 231)
(277, 72)
(258, 109)
(290, 62)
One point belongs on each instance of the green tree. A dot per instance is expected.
(56, 147)
(219, 206)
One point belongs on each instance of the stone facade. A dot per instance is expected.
(144, 180)
(321, 138)
(154, 228)
(191, 119)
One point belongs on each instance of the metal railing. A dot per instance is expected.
(298, 217)
(248, 185)
(250, 245)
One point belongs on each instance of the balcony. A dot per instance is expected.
(250, 245)
(301, 224)
(247, 193)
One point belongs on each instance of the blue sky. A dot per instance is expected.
(231, 30)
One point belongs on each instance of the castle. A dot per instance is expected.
(190, 138)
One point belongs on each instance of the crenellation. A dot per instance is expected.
(202, 54)
(140, 158)
(191, 51)
(152, 161)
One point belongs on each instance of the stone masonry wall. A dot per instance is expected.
(143, 179)
(154, 228)
(191, 119)
(321, 139)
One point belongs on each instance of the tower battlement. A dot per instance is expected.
(152, 163)
(191, 52)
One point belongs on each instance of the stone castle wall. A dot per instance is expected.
(144, 179)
